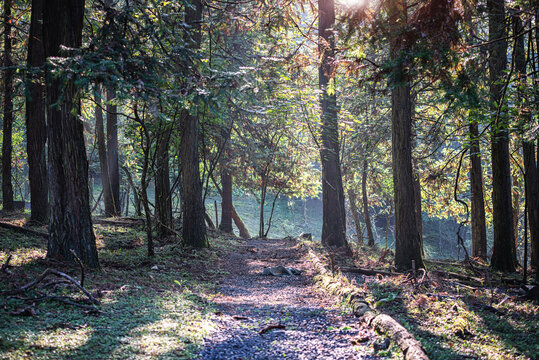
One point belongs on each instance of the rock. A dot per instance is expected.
(280, 271)
(305, 236)
(381, 344)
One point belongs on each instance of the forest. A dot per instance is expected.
(267, 179)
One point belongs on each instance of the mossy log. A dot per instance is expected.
(339, 285)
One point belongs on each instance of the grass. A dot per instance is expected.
(159, 313)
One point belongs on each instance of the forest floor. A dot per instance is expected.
(215, 304)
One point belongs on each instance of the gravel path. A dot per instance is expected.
(315, 328)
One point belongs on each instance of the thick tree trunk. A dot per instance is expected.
(112, 154)
(479, 229)
(70, 226)
(407, 239)
(355, 215)
(7, 187)
(194, 228)
(102, 152)
(334, 215)
(365, 199)
(163, 198)
(504, 252)
(36, 131)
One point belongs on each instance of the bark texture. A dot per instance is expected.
(226, 182)
(334, 215)
(504, 252)
(163, 198)
(102, 152)
(479, 229)
(368, 224)
(7, 186)
(36, 131)
(70, 226)
(112, 154)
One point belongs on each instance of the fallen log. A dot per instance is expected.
(23, 230)
(337, 284)
(370, 272)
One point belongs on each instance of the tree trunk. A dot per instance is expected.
(516, 208)
(504, 252)
(366, 215)
(70, 226)
(226, 182)
(528, 147)
(407, 239)
(7, 187)
(163, 198)
(36, 131)
(102, 151)
(355, 215)
(333, 211)
(479, 229)
(112, 154)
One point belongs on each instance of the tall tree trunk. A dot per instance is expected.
(355, 215)
(7, 187)
(102, 152)
(407, 239)
(504, 252)
(516, 208)
(333, 211)
(194, 228)
(70, 226)
(163, 198)
(226, 182)
(365, 199)
(479, 229)
(528, 147)
(36, 131)
(418, 209)
(112, 154)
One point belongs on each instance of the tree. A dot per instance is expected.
(479, 229)
(504, 252)
(70, 226)
(7, 187)
(334, 216)
(102, 152)
(112, 155)
(194, 228)
(226, 182)
(35, 119)
(407, 239)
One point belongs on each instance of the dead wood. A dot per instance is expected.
(5, 266)
(43, 276)
(271, 327)
(23, 230)
(370, 272)
(382, 323)
(123, 221)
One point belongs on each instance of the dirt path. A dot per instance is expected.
(315, 328)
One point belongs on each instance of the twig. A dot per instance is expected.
(5, 266)
(80, 265)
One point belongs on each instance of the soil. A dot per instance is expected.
(312, 325)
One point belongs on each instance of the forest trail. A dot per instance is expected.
(315, 327)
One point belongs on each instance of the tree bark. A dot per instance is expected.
(36, 131)
(528, 147)
(407, 239)
(504, 252)
(70, 226)
(355, 215)
(365, 199)
(333, 210)
(112, 154)
(102, 152)
(7, 187)
(479, 229)
(163, 198)
(226, 182)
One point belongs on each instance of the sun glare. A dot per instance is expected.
(352, 3)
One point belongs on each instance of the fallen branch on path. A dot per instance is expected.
(382, 323)
(271, 327)
(369, 272)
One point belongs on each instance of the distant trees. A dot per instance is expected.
(7, 187)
